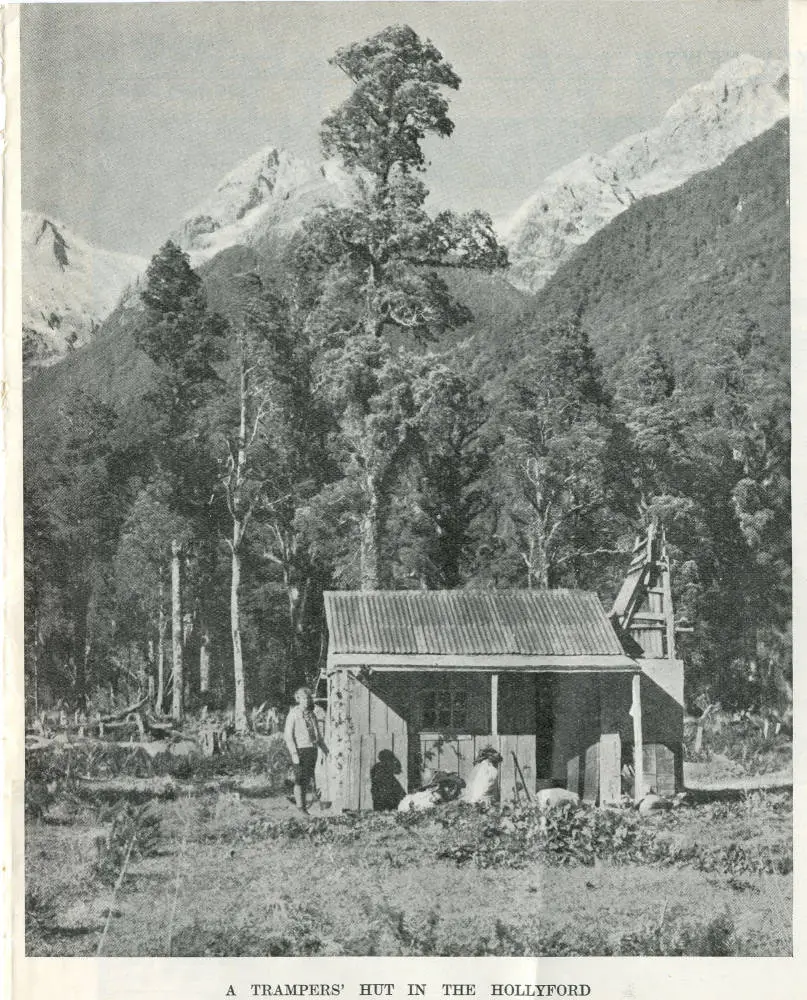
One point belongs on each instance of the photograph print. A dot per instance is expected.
(406, 492)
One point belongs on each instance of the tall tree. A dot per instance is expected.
(646, 401)
(563, 496)
(443, 491)
(267, 419)
(142, 576)
(183, 338)
(78, 496)
(374, 268)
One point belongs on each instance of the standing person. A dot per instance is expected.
(303, 739)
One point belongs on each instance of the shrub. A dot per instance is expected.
(133, 832)
(565, 834)
(297, 937)
(714, 938)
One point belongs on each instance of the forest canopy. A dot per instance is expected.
(370, 405)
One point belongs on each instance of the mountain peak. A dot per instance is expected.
(272, 189)
(743, 98)
(68, 287)
(745, 67)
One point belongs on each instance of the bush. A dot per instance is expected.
(256, 754)
(134, 832)
(715, 938)
(382, 929)
(297, 937)
(742, 742)
(565, 834)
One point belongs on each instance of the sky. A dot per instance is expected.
(133, 112)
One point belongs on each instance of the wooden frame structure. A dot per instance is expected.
(643, 615)
(421, 680)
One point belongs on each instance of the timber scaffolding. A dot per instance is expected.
(569, 695)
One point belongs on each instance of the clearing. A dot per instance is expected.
(217, 871)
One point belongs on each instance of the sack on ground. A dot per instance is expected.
(419, 801)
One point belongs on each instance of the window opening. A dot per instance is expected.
(445, 708)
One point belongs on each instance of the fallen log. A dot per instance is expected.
(105, 720)
(37, 743)
(133, 788)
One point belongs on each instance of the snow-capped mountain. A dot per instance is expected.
(68, 287)
(744, 98)
(269, 193)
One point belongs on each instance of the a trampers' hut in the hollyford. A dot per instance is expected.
(569, 696)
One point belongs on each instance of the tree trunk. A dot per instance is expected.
(80, 653)
(235, 625)
(160, 693)
(85, 668)
(36, 662)
(374, 575)
(204, 660)
(177, 704)
(542, 575)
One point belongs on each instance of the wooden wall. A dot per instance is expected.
(362, 705)
(568, 729)
(452, 754)
(592, 727)
(662, 689)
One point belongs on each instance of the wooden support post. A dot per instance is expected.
(669, 616)
(494, 704)
(638, 746)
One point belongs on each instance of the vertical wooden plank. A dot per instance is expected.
(399, 745)
(610, 769)
(525, 753)
(649, 766)
(591, 776)
(665, 770)
(378, 712)
(321, 782)
(638, 750)
(496, 743)
(669, 617)
(357, 703)
(439, 754)
(352, 765)
(573, 775)
(508, 771)
(465, 762)
(494, 704)
(336, 740)
(381, 743)
(429, 755)
(450, 756)
(368, 757)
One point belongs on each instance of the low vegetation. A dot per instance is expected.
(214, 870)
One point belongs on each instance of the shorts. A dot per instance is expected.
(304, 771)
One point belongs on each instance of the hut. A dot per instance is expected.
(422, 680)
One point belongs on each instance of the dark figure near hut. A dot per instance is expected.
(385, 788)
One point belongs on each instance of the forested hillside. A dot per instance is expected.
(708, 260)
(370, 404)
(685, 300)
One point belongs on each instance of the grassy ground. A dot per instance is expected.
(230, 874)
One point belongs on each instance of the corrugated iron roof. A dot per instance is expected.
(470, 622)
